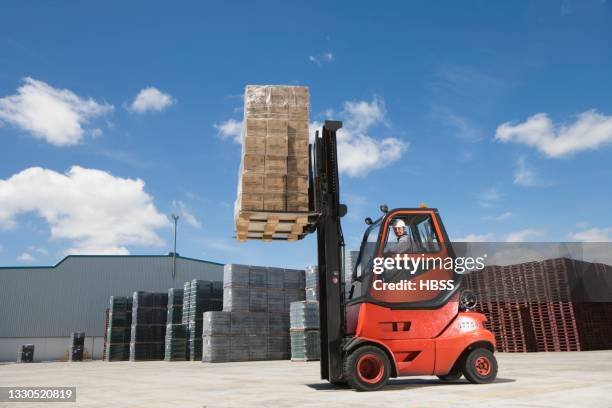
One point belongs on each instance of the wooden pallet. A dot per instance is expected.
(269, 226)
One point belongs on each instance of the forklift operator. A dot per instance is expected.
(404, 240)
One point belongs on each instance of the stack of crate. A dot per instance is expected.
(272, 198)
(76, 346)
(25, 353)
(119, 329)
(312, 283)
(531, 306)
(350, 261)
(176, 331)
(149, 313)
(305, 338)
(203, 296)
(254, 323)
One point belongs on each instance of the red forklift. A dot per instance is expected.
(371, 332)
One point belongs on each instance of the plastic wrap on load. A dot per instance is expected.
(236, 298)
(276, 278)
(216, 349)
(293, 296)
(279, 347)
(278, 323)
(235, 275)
(276, 301)
(305, 345)
(304, 315)
(146, 351)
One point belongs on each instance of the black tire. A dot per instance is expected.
(454, 374)
(480, 366)
(367, 368)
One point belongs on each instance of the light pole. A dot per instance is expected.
(175, 218)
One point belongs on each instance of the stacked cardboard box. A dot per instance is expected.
(272, 198)
(119, 329)
(176, 332)
(149, 313)
(203, 296)
(254, 323)
(76, 346)
(305, 338)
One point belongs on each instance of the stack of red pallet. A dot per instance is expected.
(540, 306)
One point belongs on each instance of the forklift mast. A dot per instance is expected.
(325, 201)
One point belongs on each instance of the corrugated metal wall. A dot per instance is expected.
(72, 296)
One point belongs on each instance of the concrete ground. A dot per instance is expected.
(525, 380)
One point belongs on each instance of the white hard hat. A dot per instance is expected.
(398, 223)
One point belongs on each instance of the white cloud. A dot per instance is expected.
(501, 217)
(589, 131)
(358, 152)
(524, 175)
(95, 211)
(475, 238)
(524, 235)
(489, 197)
(41, 251)
(25, 257)
(51, 114)
(592, 235)
(461, 126)
(325, 57)
(151, 99)
(186, 214)
(230, 129)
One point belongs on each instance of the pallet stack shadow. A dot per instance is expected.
(176, 332)
(25, 353)
(201, 296)
(76, 346)
(272, 200)
(254, 323)
(119, 329)
(149, 312)
(546, 305)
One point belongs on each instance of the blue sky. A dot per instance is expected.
(499, 114)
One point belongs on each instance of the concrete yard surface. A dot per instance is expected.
(569, 379)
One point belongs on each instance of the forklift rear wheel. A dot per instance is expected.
(480, 366)
(367, 368)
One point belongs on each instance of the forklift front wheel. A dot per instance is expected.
(367, 368)
(480, 366)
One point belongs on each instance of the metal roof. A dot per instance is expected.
(50, 301)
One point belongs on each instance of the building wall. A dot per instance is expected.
(48, 303)
(48, 348)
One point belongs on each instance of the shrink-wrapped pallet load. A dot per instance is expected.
(272, 200)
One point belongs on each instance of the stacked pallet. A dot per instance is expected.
(149, 313)
(119, 329)
(76, 346)
(305, 338)
(25, 353)
(203, 296)
(176, 332)
(176, 343)
(543, 306)
(254, 323)
(272, 198)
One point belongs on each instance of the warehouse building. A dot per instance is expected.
(43, 305)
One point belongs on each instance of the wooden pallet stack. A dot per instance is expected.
(272, 201)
